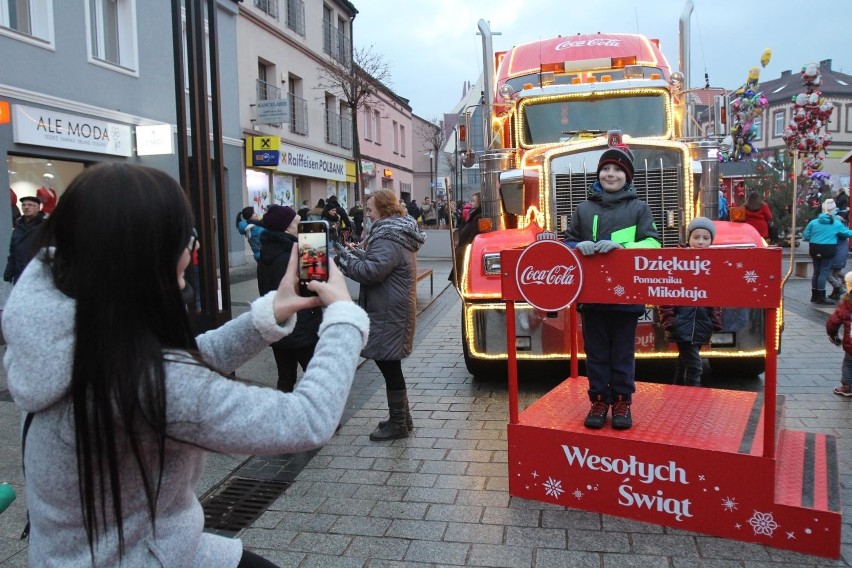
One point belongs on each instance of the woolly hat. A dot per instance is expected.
(30, 198)
(278, 218)
(848, 279)
(621, 156)
(829, 206)
(701, 223)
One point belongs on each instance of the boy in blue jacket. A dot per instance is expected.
(612, 217)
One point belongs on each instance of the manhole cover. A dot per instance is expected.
(236, 504)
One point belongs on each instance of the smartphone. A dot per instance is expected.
(313, 254)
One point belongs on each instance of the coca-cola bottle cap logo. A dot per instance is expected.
(548, 275)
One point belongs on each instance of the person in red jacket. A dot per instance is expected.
(757, 213)
(841, 319)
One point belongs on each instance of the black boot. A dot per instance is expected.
(408, 420)
(821, 299)
(395, 427)
(835, 294)
(813, 295)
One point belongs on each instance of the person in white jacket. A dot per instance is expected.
(125, 402)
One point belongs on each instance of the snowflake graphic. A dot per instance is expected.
(791, 536)
(609, 279)
(619, 290)
(553, 487)
(729, 504)
(750, 276)
(578, 494)
(763, 523)
(739, 265)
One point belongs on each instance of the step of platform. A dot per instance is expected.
(693, 460)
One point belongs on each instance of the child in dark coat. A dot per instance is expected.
(842, 316)
(691, 326)
(612, 217)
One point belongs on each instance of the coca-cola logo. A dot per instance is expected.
(555, 275)
(597, 42)
(548, 275)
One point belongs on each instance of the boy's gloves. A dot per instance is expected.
(586, 247)
(604, 247)
(836, 340)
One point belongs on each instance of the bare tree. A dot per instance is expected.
(356, 82)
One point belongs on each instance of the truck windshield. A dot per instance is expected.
(560, 121)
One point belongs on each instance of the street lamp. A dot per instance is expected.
(431, 179)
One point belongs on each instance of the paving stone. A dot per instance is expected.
(446, 552)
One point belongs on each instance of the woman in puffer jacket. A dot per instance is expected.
(821, 234)
(386, 268)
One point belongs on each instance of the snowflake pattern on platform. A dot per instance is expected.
(763, 523)
(729, 504)
(750, 276)
(553, 487)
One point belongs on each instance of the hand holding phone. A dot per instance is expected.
(313, 254)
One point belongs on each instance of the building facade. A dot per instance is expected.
(837, 89)
(82, 86)
(386, 142)
(298, 138)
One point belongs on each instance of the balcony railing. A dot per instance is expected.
(298, 115)
(335, 43)
(267, 91)
(332, 127)
(296, 16)
(268, 6)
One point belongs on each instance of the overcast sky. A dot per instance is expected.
(432, 46)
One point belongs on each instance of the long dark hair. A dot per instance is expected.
(117, 236)
(754, 201)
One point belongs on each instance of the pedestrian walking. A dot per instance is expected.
(757, 213)
(23, 238)
(822, 234)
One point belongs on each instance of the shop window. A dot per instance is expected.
(28, 20)
(40, 177)
(112, 32)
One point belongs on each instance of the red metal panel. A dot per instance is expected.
(715, 277)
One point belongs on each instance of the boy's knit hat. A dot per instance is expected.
(701, 223)
(278, 218)
(621, 156)
(829, 206)
(848, 279)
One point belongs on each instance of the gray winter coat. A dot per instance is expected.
(204, 410)
(387, 272)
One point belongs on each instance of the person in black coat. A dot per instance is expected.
(23, 236)
(276, 245)
(692, 326)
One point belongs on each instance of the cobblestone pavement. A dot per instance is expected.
(439, 498)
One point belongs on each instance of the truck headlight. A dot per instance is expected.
(492, 263)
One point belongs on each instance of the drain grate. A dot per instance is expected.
(238, 502)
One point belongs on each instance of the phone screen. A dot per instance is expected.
(313, 254)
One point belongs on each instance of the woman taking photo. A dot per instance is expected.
(122, 412)
(386, 268)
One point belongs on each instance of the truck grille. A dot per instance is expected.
(659, 188)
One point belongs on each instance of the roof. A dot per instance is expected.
(783, 89)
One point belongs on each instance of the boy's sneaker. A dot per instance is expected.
(843, 390)
(597, 415)
(621, 419)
